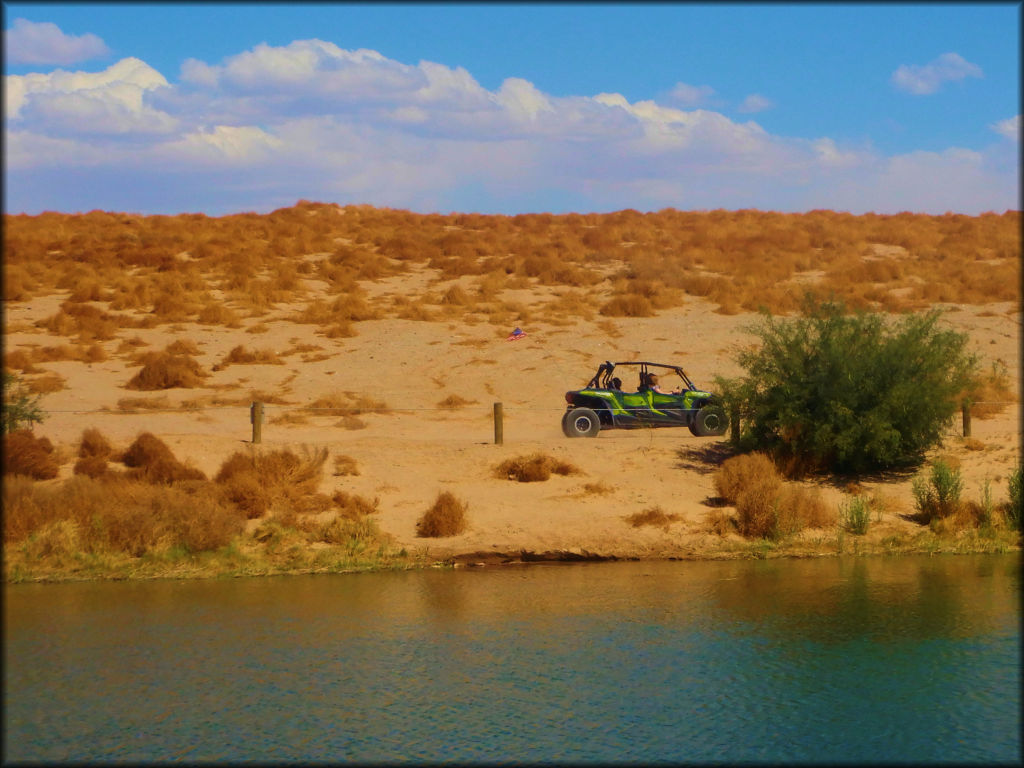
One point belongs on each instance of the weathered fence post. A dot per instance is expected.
(734, 425)
(256, 417)
(499, 427)
(965, 411)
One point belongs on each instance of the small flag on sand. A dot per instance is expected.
(517, 334)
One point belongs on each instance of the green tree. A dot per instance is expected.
(829, 390)
(20, 407)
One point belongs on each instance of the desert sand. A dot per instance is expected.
(417, 448)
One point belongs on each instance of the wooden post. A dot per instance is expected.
(256, 417)
(499, 426)
(734, 426)
(965, 410)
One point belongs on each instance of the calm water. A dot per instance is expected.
(906, 659)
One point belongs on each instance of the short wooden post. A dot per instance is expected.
(256, 417)
(965, 411)
(734, 425)
(499, 427)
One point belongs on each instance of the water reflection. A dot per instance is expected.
(910, 598)
(777, 661)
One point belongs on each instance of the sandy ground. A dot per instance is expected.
(416, 450)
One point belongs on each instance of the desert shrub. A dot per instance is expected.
(744, 471)
(937, 491)
(351, 422)
(94, 443)
(801, 507)
(456, 296)
(20, 406)
(246, 493)
(166, 370)
(352, 506)
(346, 404)
(855, 515)
(154, 462)
(147, 449)
(447, 517)
(990, 392)
(757, 511)
(355, 535)
(127, 516)
(652, 516)
(91, 466)
(719, 521)
(241, 355)
(534, 468)
(768, 511)
(182, 347)
(218, 314)
(143, 403)
(257, 482)
(45, 384)
(19, 359)
(849, 393)
(629, 305)
(28, 455)
(454, 401)
(345, 465)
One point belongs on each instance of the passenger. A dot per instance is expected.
(616, 383)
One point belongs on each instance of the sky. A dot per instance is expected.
(219, 108)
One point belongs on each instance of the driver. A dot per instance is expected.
(652, 379)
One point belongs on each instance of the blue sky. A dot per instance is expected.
(510, 108)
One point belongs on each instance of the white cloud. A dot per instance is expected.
(1008, 128)
(755, 102)
(75, 103)
(928, 78)
(224, 144)
(29, 42)
(308, 67)
(690, 95)
(311, 120)
(520, 98)
(25, 151)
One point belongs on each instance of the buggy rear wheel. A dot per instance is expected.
(581, 422)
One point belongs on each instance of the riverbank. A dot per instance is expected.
(404, 411)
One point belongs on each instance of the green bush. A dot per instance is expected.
(20, 407)
(855, 515)
(830, 391)
(1014, 506)
(937, 494)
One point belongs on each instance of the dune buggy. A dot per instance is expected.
(603, 404)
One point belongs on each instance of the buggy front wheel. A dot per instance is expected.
(581, 422)
(710, 421)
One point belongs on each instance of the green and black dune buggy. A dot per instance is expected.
(603, 404)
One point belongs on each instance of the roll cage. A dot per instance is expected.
(603, 378)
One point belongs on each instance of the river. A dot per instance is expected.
(860, 660)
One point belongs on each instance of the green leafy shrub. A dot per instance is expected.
(1014, 505)
(937, 493)
(20, 406)
(849, 393)
(855, 515)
